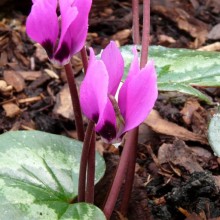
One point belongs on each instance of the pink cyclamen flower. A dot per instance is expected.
(60, 39)
(136, 96)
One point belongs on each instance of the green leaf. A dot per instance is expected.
(39, 177)
(214, 133)
(181, 69)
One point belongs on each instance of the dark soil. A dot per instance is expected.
(176, 177)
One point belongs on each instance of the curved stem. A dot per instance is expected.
(75, 101)
(83, 162)
(120, 174)
(91, 172)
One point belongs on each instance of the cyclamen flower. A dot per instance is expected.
(61, 39)
(136, 96)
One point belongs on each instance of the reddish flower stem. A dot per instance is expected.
(91, 171)
(120, 174)
(75, 101)
(130, 171)
(84, 58)
(136, 26)
(134, 133)
(145, 33)
(84, 161)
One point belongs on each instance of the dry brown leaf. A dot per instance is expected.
(14, 79)
(63, 105)
(163, 126)
(179, 154)
(184, 20)
(189, 108)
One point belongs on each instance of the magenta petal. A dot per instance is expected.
(138, 95)
(68, 15)
(114, 63)
(135, 67)
(93, 90)
(106, 126)
(74, 18)
(42, 24)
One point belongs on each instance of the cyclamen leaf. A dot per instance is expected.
(39, 177)
(214, 134)
(181, 69)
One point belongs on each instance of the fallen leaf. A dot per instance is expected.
(189, 108)
(174, 10)
(14, 79)
(179, 154)
(163, 126)
(63, 105)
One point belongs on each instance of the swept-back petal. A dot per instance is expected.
(138, 95)
(106, 125)
(42, 24)
(114, 63)
(68, 14)
(74, 19)
(94, 88)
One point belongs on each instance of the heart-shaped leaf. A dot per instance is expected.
(39, 177)
(181, 69)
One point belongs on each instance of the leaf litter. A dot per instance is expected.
(177, 174)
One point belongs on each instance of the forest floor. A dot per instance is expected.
(177, 174)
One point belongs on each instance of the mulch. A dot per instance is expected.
(177, 175)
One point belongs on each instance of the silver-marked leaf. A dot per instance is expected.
(181, 69)
(214, 134)
(39, 177)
